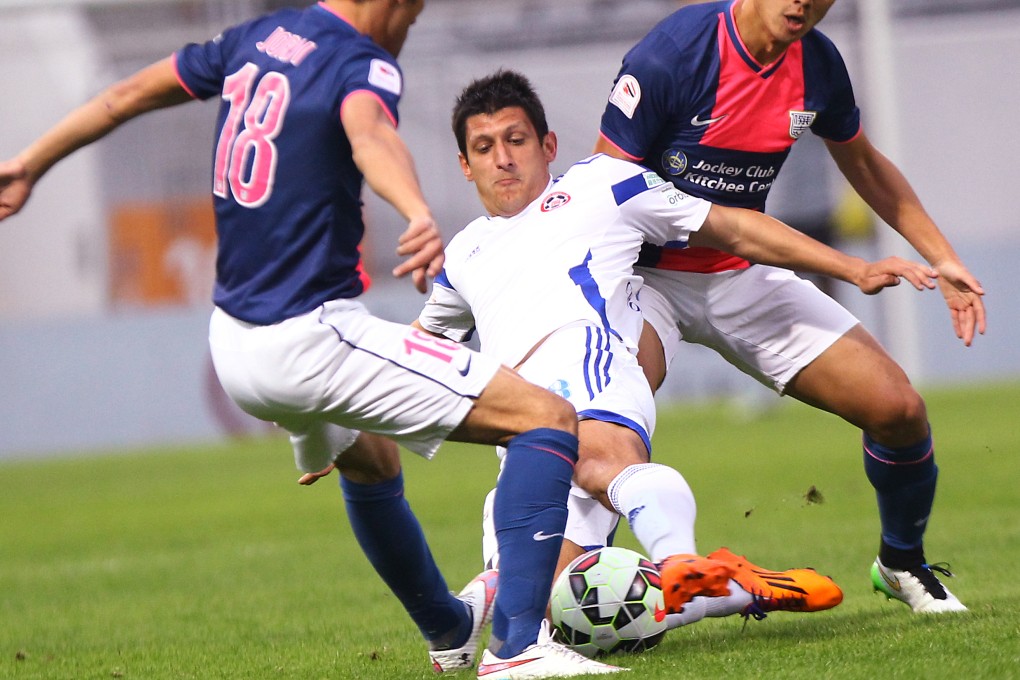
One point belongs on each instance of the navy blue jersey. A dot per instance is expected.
(692, 104)
(286, 189)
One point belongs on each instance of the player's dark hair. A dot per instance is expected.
(490, 94)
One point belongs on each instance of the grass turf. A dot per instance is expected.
(213, 563)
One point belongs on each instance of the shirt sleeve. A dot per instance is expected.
(642, 96)
(377, 73)
(839, 118)
(200, 67)
(663, 213)
(446, 312)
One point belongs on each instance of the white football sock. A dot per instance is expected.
(659, 506)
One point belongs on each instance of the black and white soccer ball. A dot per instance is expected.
(609, 600)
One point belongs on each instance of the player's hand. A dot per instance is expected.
(423, 243)
(963, 295)
(14, 187)
(888, 272)
(310, 478)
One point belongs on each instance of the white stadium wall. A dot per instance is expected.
(80, 373)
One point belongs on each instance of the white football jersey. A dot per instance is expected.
(567, 257)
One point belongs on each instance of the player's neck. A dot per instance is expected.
(759, 42)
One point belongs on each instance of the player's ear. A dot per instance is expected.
(465, 167)
(549, 146)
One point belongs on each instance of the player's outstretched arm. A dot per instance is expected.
(883, 187)
(386, 163)
(153, 87)
(765, 240)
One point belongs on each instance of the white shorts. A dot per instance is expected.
(328, 374)
(602, 379)
(766, 321)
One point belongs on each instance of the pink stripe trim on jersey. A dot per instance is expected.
(617, 147)
(385, 107)
(177, 73)
(860, 131)
(366, 280)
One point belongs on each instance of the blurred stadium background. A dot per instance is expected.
(105, 277)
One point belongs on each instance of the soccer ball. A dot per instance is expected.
(609, 600)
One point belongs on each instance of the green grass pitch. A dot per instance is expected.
(213, 563)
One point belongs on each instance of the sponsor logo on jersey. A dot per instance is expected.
(697, 121)
(555, 200)
(385, 76)
(800, 121)
(626, 95)
(674, 161)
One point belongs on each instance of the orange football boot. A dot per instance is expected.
(793, 590)
(687, 576)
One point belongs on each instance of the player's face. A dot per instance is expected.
(789, 20)
(506, 160)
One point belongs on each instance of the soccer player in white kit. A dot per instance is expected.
(546, 279)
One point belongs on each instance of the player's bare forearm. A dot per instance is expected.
(153, 87)
(388, 168)
(765, 240)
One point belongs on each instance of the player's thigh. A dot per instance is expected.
(510, 405)
(766, 321)
(341, 365)
(402, 383)
(856, 379)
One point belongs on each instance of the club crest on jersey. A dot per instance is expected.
(674, 161)
(555, 200)
(800, 121)
(626, 95)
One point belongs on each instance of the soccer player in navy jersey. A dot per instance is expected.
(712, 99)
(309, 110)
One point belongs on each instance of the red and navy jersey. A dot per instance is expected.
(691, 103)
(286, 189)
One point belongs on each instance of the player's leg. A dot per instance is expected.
(392, 540)
(786, 334)
(856, 379)
(401, 383)
(529, 508)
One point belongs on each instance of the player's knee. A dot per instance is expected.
(370, 460)
(899, 419)
(558, 414)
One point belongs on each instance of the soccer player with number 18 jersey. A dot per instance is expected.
(308, 111)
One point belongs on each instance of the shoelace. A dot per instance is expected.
(930, 581)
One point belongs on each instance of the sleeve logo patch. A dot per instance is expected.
(652, 179)
(626, 95)
(385, 76)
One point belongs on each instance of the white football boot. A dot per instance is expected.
(544, 659)
(917, 587)
(480, 596)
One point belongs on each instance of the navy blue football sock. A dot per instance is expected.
(393, 542)
(904, 480)
(529, 513)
